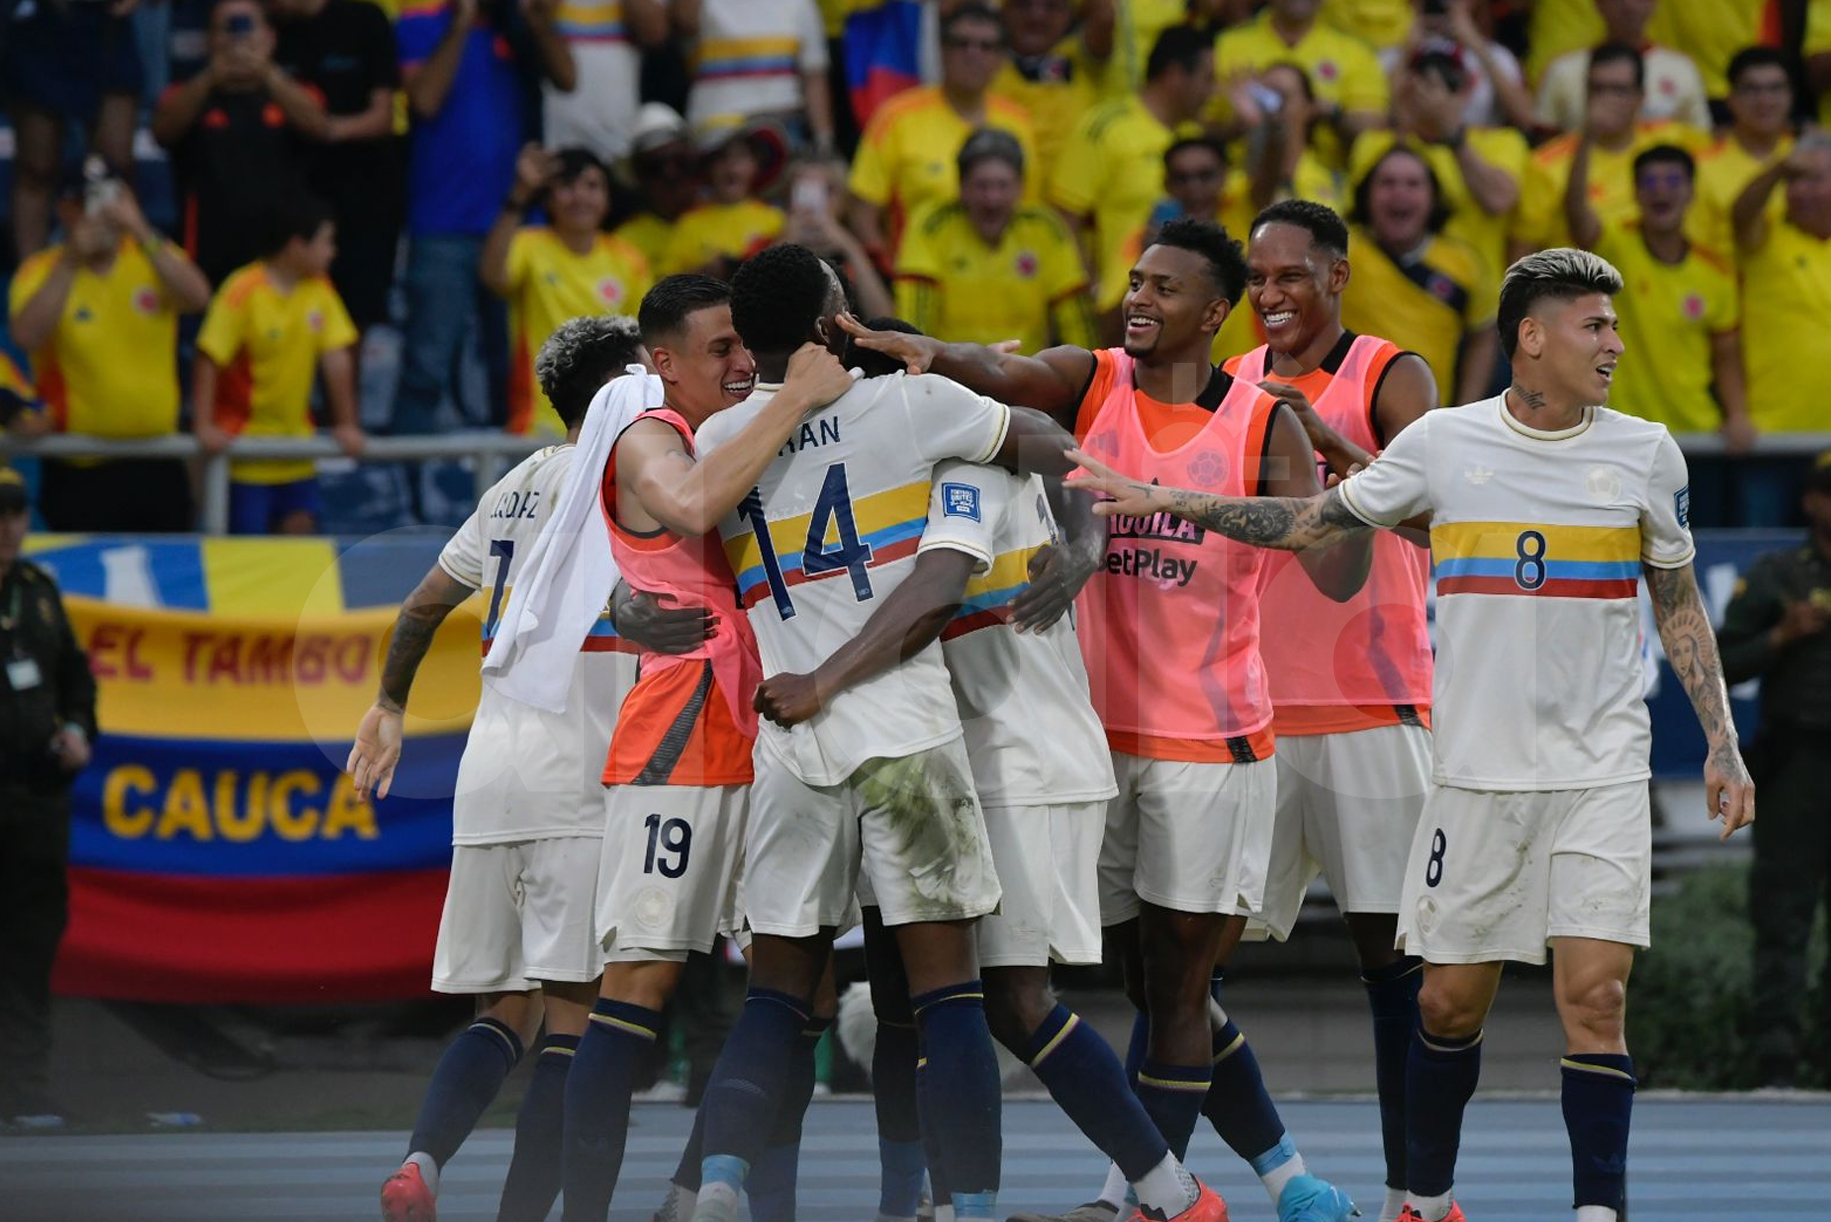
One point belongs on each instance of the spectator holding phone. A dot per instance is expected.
(345, 50)
(1496, 91)
(99, 315)
(62, 64)
(238, 133)
(563, 269)
(816, 199)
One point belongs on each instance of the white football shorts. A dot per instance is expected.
(671, 871)
(517, 914)
(1192, 837)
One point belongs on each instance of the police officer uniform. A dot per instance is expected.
(1791, 764)
(45, 689)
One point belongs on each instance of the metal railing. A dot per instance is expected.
(491, 452)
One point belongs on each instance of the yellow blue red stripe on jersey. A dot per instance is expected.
(1534, 559)
(587, 22)
(888, 523)
(602, 638)
(725, 58)
(988, 596)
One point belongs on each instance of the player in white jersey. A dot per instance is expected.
(879, 778)
(1545, 509)
(1039, 763)
(527, 816)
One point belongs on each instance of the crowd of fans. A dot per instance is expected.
(508, 164)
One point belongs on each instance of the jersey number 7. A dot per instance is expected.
(832, 515)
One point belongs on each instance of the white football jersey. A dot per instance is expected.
(1537, 539)
(831, 528)
(528, 774)
(1031, 729)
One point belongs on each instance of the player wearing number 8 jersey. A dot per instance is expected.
(1545, 507)
(679, 763)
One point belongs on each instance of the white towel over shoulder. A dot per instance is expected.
(570, 574)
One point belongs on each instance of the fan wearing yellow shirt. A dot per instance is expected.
(1426, 292)
(1055, 74)
(905, 159)
(564, 269)
(1115, 177)
(271, 328)
(1615, 91)
(1479, 168)
(98, 315)
(1674, 87)
(1786, 288)
(1350, 85)
(1761, 129)
(739, 159)
(988, 267)
(666, 174)
(1679, 308)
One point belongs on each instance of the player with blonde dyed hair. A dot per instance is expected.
(1545, 507)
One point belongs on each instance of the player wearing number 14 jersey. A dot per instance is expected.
(1545, 508)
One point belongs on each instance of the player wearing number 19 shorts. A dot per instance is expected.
(1544, 509)
(1350, 681)
(679, 764)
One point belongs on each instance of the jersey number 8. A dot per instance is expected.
(832, 515)
(1529, 569)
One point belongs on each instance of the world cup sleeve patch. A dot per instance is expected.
(960, 501)
(1681, 506)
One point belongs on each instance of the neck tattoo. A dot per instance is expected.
(1532, 400)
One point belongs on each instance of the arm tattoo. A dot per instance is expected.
(1691, 649)
(1286, 522)
(413, 633)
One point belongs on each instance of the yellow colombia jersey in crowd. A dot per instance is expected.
(267, 343)
(956, 288)
(1139, 24)
(1539, 221)
(712, 232)
(1723, 170)
(1072, 81)
(1378, 23)
(549, 283)
(1668, 313)
(649, 234)
(1818, 42)
(1786, 314)
(906, 158)
(1712, 31)
(1115, 175)
(1343, 71)
(1425, 305)
(1504, 148)
(105, 371)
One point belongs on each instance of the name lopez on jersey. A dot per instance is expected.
(1150, 563)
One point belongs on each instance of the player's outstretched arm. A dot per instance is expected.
(1337, 568)
(903, 625)
(1691, 648)
(377, 748)
(1051, 381)
(690, 498)
(1287, 523)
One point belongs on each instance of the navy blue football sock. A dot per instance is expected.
(1238, 1104)
(967, 1113)
(899, 1128)
(1135, 1047)
(1172, 1097)
(598, 1089)
(748, 1085)
(1392, 995)
(686, 1175)
(1598, 1102)
(464, 1083)
(534, 1171)
(1088, 1083)
(1440, 1077)
(928, 1112)
(771, 1183)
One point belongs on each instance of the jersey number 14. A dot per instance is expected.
(832, 516)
